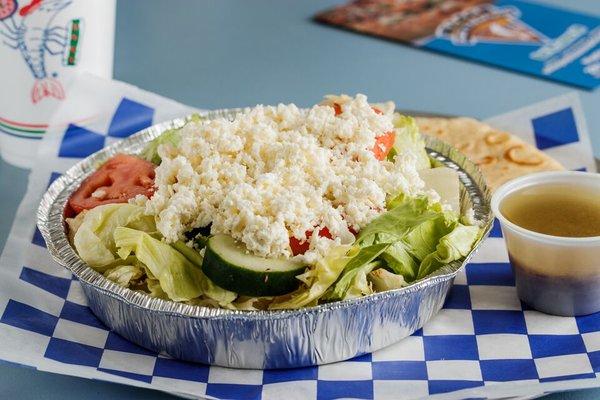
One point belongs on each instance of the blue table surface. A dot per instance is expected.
(225, 53)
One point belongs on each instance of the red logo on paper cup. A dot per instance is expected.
(7, 8)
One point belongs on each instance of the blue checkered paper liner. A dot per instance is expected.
(483, 344)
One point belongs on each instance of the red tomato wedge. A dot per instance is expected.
(337, 108)
(116, 181)
(299, 247)
(383, 145)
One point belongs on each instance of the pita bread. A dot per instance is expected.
(500, 155)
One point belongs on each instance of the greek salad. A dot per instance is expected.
(278, 208)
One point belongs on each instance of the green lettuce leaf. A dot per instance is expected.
(383, 280)
(180, 279)
(421, 236)
(403, 214)
(246, 304)
(323, 274)
(458, 243)
(409, 140)
(398, 259)
(189, 253)
(454, 246)
(154, 289)
(365, 256)
(74, 224)
(222, 296)
(353, 284)
(124, 275)
(353, 278)
(150, 152)
(423, 239)
(359, 285)
(94, 239)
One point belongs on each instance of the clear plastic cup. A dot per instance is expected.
(44, 45)
(555, 275)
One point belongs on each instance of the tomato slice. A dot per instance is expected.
(116, 181)
(337, 108)
(299, 247)
(383, 145)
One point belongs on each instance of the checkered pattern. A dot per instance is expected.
(482, 339)
(130, 116)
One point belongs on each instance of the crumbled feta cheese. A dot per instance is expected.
(280, 171)
(139, 200)
(99, 194)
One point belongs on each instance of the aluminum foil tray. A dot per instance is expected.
(256, 339)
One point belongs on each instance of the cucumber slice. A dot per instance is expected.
(229, 265)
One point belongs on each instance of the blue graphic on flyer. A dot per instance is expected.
(544, 41)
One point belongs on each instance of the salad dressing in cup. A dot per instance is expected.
(551, 224)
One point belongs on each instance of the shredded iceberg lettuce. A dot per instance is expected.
(94, 239)
(154, 289)
(180, 279)
(324, 273)
(453, 246)
(411, 240)
(409, 141)
(399, 261)
(209, 289)
(383, 280)
(124, 275)
(352, 281)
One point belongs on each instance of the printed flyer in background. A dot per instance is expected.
(548, 42)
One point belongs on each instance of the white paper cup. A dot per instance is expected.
(556, 275)
(43, 45)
